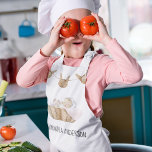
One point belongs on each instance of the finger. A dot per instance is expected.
(51, 30)
(66, 40)
(97, 18)
(101, 19)
(100, 24)
(59, 20)
(58, 27)
(59, 23)
(89, 37)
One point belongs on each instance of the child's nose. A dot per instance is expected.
(79, 34)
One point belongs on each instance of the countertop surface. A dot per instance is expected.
(14, 92)
(26, 130)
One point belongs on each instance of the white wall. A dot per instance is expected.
(10, 23)
(119, 22)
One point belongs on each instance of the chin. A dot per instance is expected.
(79, 49)
(76, 51)
(76, 54)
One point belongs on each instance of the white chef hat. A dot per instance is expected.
(50, 10)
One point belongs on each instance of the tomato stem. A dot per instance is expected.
(67, 25)
(91, 23)
(8, 126)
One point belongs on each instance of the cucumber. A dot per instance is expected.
(30, 146)
(19, 149)
(13, 144)
(5, 149)
(3, 145)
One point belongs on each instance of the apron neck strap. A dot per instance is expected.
(85, 61)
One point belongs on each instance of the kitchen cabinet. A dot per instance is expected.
(36, 109)
(140, 110)
(127, 112)
(123, 117)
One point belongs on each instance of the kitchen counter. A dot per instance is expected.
(17, 93)
(26, 130)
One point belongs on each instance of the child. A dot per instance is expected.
(75, 81)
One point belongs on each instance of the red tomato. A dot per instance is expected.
(89, 25)
(69, 28)
(8, 132)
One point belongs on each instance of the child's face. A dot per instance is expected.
(74, 50)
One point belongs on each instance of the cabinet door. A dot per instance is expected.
(123, 115)
(36, 109)
(147, 114)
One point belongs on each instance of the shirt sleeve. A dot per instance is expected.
(35, 70)
(122, 67)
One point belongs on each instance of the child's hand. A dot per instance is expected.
(55, 40)
(102, 36)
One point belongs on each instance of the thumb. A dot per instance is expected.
(66, 40)
(90, 37)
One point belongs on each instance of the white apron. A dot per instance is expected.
(73, 127)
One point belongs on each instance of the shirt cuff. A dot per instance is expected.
(43, 54)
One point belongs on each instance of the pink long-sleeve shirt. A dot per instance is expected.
(122, 68)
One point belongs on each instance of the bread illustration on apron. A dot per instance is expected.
(67, 103)
(82, 78)
(65, 111)
(51, 73)
(63, 82)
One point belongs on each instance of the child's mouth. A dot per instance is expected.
(77, 43)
